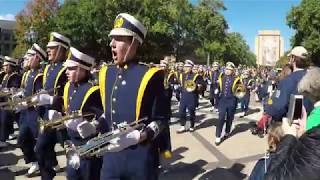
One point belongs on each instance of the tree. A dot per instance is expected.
(237, 50)
(282, 61)
(177, 27)
(305, 19)
(38, 14)
(210, 27)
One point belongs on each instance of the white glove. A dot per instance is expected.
(53, 114)
(86, 129)
(74, 161)
(209, 82)
(124, 141)
(21, 106)
(19, 94)
(176, 87)
(73, 123)
(42, 99)
(216, 91)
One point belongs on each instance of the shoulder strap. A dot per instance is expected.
(45, 75)
(57, 78)
(87, 95)
(65, 96)
(102, 85)
(237, 79)
(220, 80)
(143, 85)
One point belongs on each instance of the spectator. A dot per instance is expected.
(275, 134)
(309, 86)
(298, 154)
(286, 70)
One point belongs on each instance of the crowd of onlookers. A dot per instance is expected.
(294, 149)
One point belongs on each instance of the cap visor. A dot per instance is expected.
(121, 32)
(70, 63)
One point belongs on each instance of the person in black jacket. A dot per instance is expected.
(275, 133)
(296, 158)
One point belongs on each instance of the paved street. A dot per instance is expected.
(195, 156)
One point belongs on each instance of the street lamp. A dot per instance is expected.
(31, 35)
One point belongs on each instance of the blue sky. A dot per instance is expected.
(249, 16)
(243, 16)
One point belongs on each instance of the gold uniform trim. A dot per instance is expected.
(35, 79)
(65, 96)
(119, 22)
(220, 80)
(45, 75)
(102, 85)
(87, 95)
(57, 79)
(24, 79)
(145, 80)
(195, 77)
(235, 83)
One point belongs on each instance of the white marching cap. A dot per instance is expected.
(77, 58)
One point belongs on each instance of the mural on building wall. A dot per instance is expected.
(269, 50)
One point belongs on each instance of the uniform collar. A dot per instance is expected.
(84, 81)
(128, 64)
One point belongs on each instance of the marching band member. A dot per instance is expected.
(131, 91)
(54, 79)
(245, 100)
(11, 79)
(214, 85)
(28, 129)
(201, 74)
(228, 101)
(177, 88)
(189, 96)
(169, 82)
(81, 95)
(26, 66)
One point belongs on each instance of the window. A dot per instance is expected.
(6, 49)
(6, 36)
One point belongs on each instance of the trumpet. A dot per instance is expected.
(9, 91)
(240, 91)
(99, 144)
(58, 123)
(13, 102)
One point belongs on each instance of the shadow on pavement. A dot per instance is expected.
(176, 155)
(233, 173)
(8, 168)
(239, 128)
(208, 123)
(7, 159)
(184, 171)
(252, 111)
(6, 174)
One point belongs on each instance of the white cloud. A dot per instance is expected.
(7, 17)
